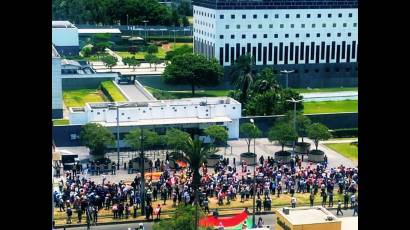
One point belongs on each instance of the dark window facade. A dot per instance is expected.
(264, 55)
(248, 48)
(317, 53)
(259, 51)
(302, 50)
(286, 55)
(270, 51)
(238, 48)
(296, 54)
(232, 55)
(281, 51)
(312, 51)
(226, 52)
(327, 53)
(322, 51)
(221, 55)
(275, 55)
(338, 54)
(348, 54)
(254, 52)
(354, 49)
(307, 55)
(343, 50)
(291, 51)
(333, 50)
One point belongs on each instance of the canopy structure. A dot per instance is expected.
(232, 222)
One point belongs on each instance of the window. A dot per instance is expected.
(249, 26)
(318, 35)
(307, 35)
(344, 24)
(286, 35)
(226, 26)
(243, 16)
(254, 36)
(339, 34)
(292, 25)
(297, 35)
(238, 26)
(319, 15)
(324, 25)
(334, 25)
(221, 36)
(308, 15)
(287, 16)
(260, 26)
(271, 26)
(281, 26)
(265, 16)
(329, 15)
(221, 16)
(232, 16)
(313, 25)
(297, 15)
(303, 25)
(354, 24)
(255, 16)
(328, 34)
(232, 36)
(275, 36)
(265, 36)
(350, 15)
(243, 36)
(340, 15)
(349, 34)
(276, 15)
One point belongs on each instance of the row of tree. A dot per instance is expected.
(109, 12)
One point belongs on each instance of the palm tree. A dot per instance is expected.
(195, 153)
(242, 75)
(265, 81)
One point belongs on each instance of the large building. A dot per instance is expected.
(315, 38)
(57, 92)
(191, 115)
(65, 38)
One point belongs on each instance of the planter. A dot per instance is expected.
(316, 156)
(249, 158)
(302, 147)
(136, 163)
(96, 157)
(283, 157)
(212, 160)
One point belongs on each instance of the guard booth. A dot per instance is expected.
(68, 161)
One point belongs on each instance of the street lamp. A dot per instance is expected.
(287, 72)
(145, 21)
(294, 115)
(254, 177)
(142, 167)
(127, 23)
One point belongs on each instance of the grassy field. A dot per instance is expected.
(161, 51)
(330, 106)
(161, 94)
(322, 90)
(346, 149)
(78, 97)
(113, 91)
(61, 122)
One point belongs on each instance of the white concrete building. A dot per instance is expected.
(65, 37)
(311, 37)
(57, 92)
(191, 115)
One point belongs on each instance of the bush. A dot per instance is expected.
(341, 133)
(111, 91)
(177, 39)
(163, 95)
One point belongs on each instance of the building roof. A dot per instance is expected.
(70, 62)
(62, 24)
(54, 53)
(99, 31)
(300, 216)
(168, 121)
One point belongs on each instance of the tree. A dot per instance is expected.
(131, 61)
(249, 131)
(152, 49)
(302, 122)
(178, 51)
(193, 69)
(150, 58)
(133, 139)
(261, 104)
(242, 75)
(265, 81)
(185, 21)
(96, 137)
(282, 132)
(195, 153)
(283, 105)
(155, 60)
(180, 220)
(216, 133)
(176, 138)
(86, 51)
(318, 132)
(109, 61)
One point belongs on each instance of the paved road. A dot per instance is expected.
(331, 96)
(269, 220)
(133, 93)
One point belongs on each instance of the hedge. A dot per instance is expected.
(171, 40)
(111, 91)
(340, 133)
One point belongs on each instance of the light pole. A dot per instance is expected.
(294, 116)
(287, 72)
(145, 21)
(254, 177)
(142, 173)
(174, 35)
(127, 23)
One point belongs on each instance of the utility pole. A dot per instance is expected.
(294, 116)
(254, 177)
(145, 21)
(287, 72)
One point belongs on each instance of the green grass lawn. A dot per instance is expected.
(322, 90)
(161, 51)
(162, 94)
(78, 97)
(330, 106)
(61, 122)
(113, 91)
(346, 149)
